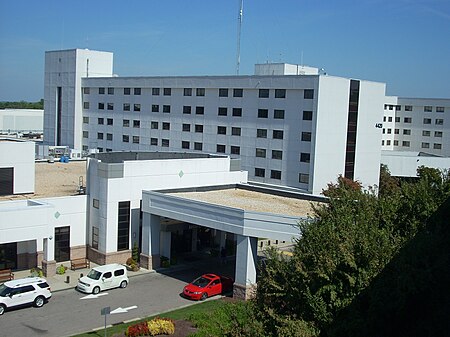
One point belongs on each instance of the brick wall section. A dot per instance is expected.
(102, 258)
(78, 252)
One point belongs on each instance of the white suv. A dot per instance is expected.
(25, 291)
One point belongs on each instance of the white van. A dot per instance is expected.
(104, 277)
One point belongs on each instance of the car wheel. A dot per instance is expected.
(123, 284)
(96, 290)
(2, 309)
(39, 301)
(204, 297)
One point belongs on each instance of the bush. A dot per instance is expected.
(36, 272)
(157, 326)
(61, 270)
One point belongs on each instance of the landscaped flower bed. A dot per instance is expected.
(154, 327)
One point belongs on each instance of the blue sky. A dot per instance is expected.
(404, 43)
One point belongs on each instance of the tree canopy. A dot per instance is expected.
(22, 105)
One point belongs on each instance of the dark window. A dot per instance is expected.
(187, 127)
(186, 109)
(107, 275)
(62, 244)
(222, 111)
(166, 109)
(263, 113)
(199, 110)
(220, 148)
(198, 146)
(136, 139)
(261, 133)
(154, 141)
(86, 91)
(308, 94)
(221, 130)
(307, 115)
(185, 145)
(223, 92)
(407, 120)
(136, 124)
(200, 92)
(237, 112)
(136, 107)
(167, 91)
(155, 91)
(165, 143)
(278, 114)
(235, 131)
(187, 92)
(166, 126)
(275, 174)
(261, 153)
(408, 107)
(260, 172)
(126, 106)
(235, 150)
(119, 272)
(155, 108)
(85, 105)
(110, 106)
(263, 93)
(126, 91)
(199, 128)
(101, 91)
(100, 121)
(154, 125)
(101, 106)
(305, 157)
(427, 121)
(427, 108)
(99, 135)
(110, 121)
(6, 181)
(280, 93)
(303, 178)
(277, 154)
(110, 91)
(137, 91)
(109, 136)
(306, 136)
(277, 134)
(125, 138)
(126, 123)
(238, 92)
(123, 225)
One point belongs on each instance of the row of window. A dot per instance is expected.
(407, 143)
(223, 92)
(275, 174)
(408, 120)
(200, 110)
(426, 108)
(407, 132)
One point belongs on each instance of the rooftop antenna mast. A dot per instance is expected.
(238, 56)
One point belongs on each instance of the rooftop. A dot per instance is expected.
(252, 201)
(54, 180)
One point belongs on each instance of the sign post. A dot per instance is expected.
(105, 311)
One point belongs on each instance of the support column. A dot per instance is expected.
(150, 252)
(48, 262)
(246, 260)
(194, 239)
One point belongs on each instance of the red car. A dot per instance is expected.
(208, 285)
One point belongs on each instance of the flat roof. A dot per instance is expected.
(121, 156)
(54, 180)
(252, 201)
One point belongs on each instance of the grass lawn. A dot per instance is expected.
(182, 313)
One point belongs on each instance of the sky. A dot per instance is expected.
(403, 43)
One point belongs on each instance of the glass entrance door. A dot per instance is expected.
(62, 244)
(8, 256)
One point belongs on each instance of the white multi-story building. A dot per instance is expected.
(289, 125)
(417, 124)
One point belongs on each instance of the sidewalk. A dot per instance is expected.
(59, 282)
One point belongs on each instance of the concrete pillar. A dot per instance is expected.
(246, 261)
(48, 262)
(150, 252)
(223, 239)
(194, 239)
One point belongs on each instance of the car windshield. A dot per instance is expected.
(4, 290)
(201, 282)
(93, 274)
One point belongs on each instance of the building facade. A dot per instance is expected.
(301, 131)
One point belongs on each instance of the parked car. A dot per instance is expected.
(103, 277)
(24, 292)
(208, 285)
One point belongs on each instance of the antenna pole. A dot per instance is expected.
(238, 56)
